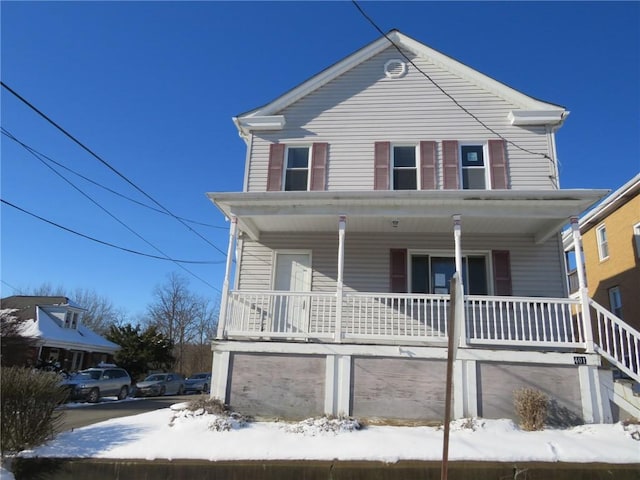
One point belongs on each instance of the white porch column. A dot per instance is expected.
(342, 225)
(582, 285)
(222, 318)
(460, 316)
(457, 233)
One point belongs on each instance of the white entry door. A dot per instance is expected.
(293, 274)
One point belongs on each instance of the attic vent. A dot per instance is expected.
(395, 68)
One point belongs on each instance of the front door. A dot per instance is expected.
(293, 274)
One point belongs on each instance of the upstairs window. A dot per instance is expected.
(293, 167)
(405, 168)
(297, 171)
(474, 172)
(636, 236)
(603, 246)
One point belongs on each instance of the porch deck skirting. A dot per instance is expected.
(294, 380)
(402, 318)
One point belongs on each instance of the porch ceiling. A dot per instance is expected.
(536, 213)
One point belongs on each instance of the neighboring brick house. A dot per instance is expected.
(611, 244)
(55, 324)
(366, 188)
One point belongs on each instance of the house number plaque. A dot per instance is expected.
(580, 360)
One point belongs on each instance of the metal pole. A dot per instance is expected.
(451, 353)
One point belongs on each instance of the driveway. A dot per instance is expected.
(78, 415)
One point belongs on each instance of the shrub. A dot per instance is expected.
(28, 410)
(532, 407)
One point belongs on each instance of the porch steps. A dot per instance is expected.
(624, 393)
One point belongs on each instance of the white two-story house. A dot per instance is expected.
(366, 188)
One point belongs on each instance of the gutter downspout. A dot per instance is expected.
(342, 225)
(222, 319)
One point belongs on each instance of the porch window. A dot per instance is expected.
(405, 168)
(474, 172)
(432, 274)
(603, 246)
(297, 171)
(615, 301)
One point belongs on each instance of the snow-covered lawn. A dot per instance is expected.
(177, 433)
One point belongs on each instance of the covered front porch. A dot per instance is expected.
(448, 231)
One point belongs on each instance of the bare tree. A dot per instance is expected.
(184, 317)
(100, 312)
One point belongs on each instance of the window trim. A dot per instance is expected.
(485, 158)
(285, 167)
(636, 237)
(601, 253)
(488, 257)
(416, 168)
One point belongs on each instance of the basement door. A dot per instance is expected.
(293, 274)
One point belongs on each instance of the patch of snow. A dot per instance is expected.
(180, 434)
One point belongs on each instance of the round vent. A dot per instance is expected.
(395, 68)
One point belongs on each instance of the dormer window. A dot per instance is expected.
(71, 320)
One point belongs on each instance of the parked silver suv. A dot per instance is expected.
(93, 383)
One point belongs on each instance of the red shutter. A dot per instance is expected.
(318, 166)
(381, 165)
(276, 164)
(428, 166)
(499, 166)
(502, 272)
(450, 163)
(398, 270)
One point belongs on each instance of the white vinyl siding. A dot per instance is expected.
(536, 270)
(363, 106)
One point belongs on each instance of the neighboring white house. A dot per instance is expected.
(55, 323)
(366, 188)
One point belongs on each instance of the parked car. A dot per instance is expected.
(93, 383)
(198, 382)
(160, 384)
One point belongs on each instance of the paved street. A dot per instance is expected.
(76, 416)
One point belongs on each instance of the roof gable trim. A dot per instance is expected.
(417, 48)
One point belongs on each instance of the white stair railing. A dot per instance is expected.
(616, 341)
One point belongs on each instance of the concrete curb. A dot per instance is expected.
(109, 469)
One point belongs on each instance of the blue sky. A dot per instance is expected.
(151, 88)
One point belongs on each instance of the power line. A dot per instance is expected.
(464, 109)
(42, 155)
(105, 163)
(165, 256)
(102, 242)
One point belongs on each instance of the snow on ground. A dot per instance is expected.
(175, 433)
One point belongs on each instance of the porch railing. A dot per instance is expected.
(616, 341)
(397, 318)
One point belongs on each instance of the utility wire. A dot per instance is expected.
(165, 256)
(465, 110)
(102, 242)
(42, 155)
(105, 163)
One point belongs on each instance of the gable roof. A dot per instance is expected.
(39, 324)
(531, 109)
(611, 203)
